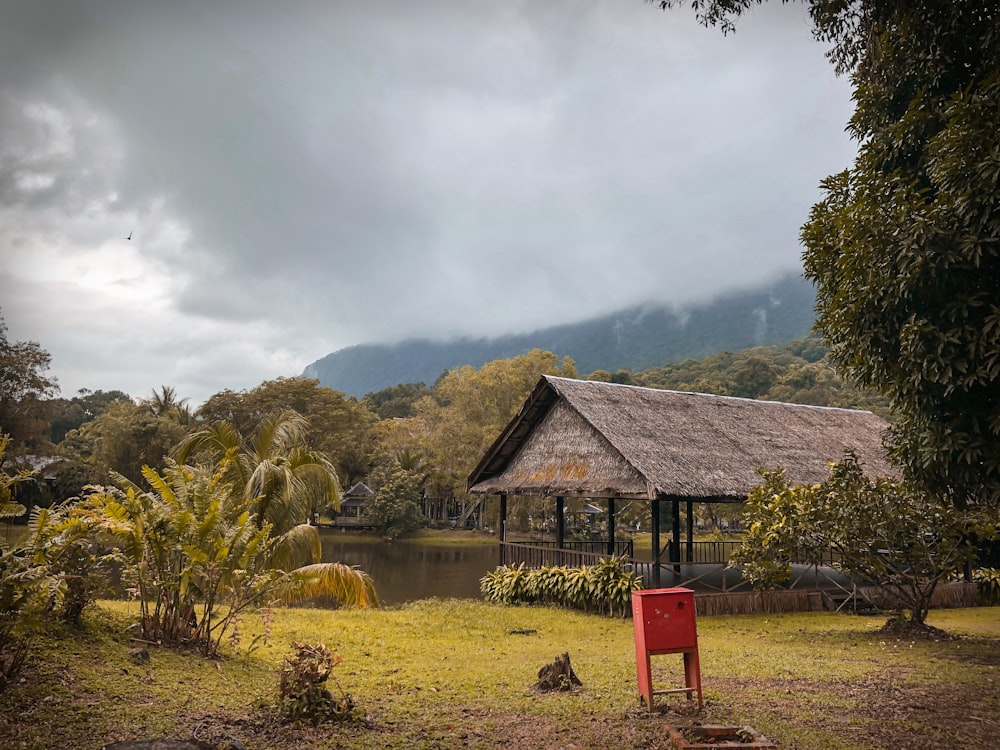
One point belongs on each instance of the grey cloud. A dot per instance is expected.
(322, 174)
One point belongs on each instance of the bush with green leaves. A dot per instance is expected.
(883, 531)
(395, 509)
(605, 588)
(78, 561)
(194, 554)
(24, 584)
(988, 582)
(24, 592)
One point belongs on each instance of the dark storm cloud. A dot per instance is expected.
(313, 175)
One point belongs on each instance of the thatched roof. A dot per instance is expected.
(578, 438)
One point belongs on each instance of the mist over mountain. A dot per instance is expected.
(635, 338)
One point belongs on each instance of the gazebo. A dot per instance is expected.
(352, 504)
(575, 438)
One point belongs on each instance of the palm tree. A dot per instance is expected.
(165, 401)
(275, 466)
(195, 552)
(283, 482)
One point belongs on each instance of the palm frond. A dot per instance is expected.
(215, 441)
(279, 432)
(349, 586)
(297, 546)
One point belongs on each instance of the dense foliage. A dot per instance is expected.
(24, 383)
(904, 248)
(23, 587)
(195, 558)
(605, 588)
(337, 425)
(885, 532)
(798, 372)
(395, 509)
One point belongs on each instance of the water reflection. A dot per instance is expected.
(406, 571)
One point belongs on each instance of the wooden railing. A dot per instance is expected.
(535, 555)
(351, 521)
(697, 553)
(714, 555)
(719, 553)
(702, 553)
(623, 548)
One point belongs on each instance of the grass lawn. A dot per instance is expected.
(442, 674)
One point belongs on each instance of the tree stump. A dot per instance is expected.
(558, 675)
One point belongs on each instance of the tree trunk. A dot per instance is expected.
(558, 675)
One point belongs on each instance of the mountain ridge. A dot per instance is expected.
(634, 338)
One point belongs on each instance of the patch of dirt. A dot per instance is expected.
(463, 728)
(886, 713)
(900, 628)
(881, 712)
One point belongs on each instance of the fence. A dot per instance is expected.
(582, 553)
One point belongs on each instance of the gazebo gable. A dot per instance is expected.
(564, 455)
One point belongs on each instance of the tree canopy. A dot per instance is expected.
(886, 531)
(337, 425)
(24, 381)
(470, 407)
(904, 247)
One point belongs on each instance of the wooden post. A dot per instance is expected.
(690, 530)
(675, 522)
(655, 504)
(611, 526)
(503, 529)
(560, 522)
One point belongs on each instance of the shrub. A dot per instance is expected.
(193, 550)
(24, 583)
(80, 565)
(23, 591)
(988, 582)
(605, 587)
(884, 530)
(301, 686)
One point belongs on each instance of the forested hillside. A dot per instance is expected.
(634, 339)
(797, 372)
(418, 440)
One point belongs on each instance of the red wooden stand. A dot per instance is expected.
(664, 623)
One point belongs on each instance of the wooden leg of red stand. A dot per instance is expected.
(646, 680)
(692, 675)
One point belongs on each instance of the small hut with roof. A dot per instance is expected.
(352, 506)
(575, 438)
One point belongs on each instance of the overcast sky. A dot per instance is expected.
(299, 177)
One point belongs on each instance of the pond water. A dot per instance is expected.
(406, 571)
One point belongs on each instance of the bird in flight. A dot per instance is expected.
(129, 236)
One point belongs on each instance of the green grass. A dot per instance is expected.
(458, 537)
(441, 674)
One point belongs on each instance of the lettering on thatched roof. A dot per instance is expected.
(564, 455)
